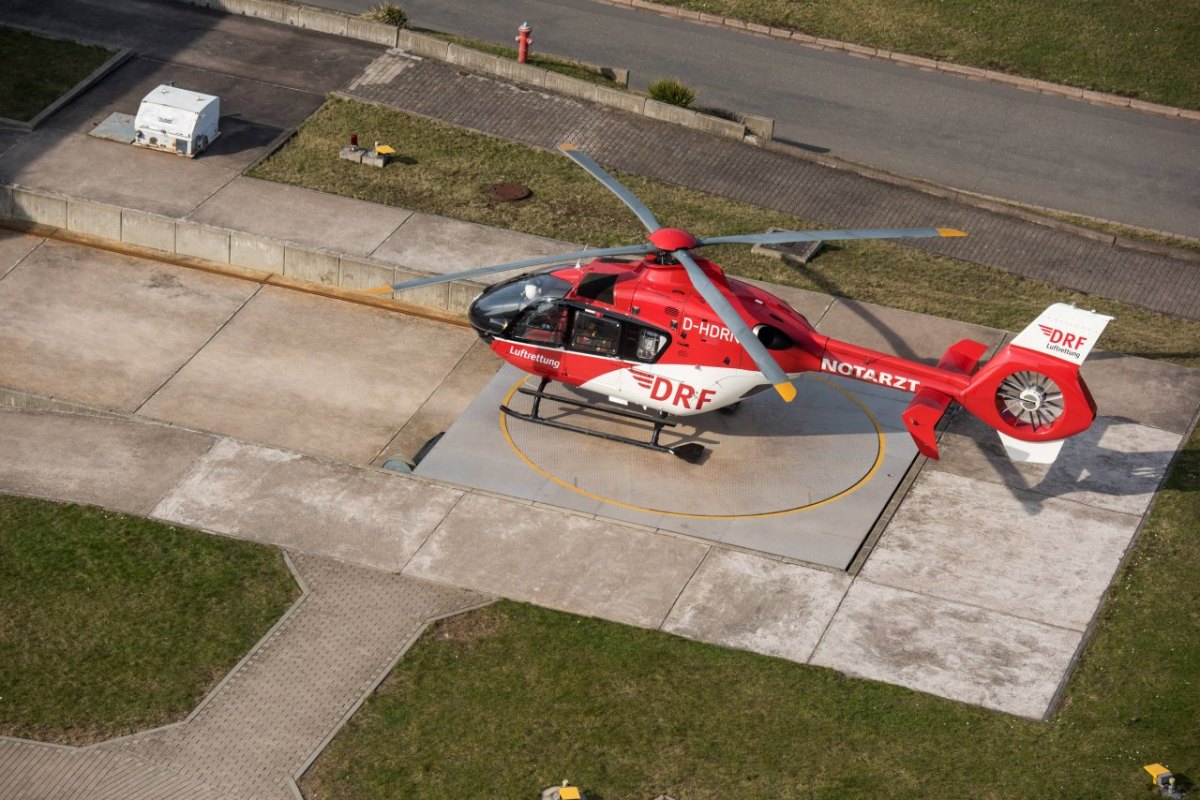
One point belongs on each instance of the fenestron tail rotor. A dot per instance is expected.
(677, 243)
(1029, 400)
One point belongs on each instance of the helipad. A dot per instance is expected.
(806, 480)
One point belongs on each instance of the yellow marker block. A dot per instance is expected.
(569, 793)
(787, 391)
(1155, 770)
(950, 232)
(384, 150)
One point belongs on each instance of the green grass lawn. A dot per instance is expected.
(36, 71)
(512, 698)
(1149, 49)
(452, 168)
(111, 624)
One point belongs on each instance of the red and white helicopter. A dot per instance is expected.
(668, 331)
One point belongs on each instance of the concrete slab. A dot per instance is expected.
(133, 177)
(300, 216)
(14, 247)
(61, 157)
(294, 502)
(817, 448)
(947, 649)
(805, 481)
(435, 244)
(558, 560)
(1113, 465)
(902, 333)
(446, 404)
(115, 463)
(306, 374)
(752, 603)
(1143, 391)
(105, 329)
(253, 113)
(831, 534)
(1002, 549)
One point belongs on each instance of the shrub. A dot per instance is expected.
(672, 91)
(390, 13)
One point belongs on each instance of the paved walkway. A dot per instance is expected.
(273, 712)
(784, 182)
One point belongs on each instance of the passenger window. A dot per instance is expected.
(595, 334)
(544, 323)
(649, 343)
(642, 344)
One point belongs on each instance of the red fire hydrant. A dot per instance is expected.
(524, 39)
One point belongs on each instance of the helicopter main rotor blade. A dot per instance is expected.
(780, 237)
(737, 326)
(596, 171)
(625, 250)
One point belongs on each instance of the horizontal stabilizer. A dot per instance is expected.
(927, 407)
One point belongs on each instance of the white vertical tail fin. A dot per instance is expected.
(1064, 332)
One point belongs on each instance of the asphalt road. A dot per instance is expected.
(974, 135)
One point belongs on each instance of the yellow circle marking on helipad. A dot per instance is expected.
(862, 481)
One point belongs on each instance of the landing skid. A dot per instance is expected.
(691, 452)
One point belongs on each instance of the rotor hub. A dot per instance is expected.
(671, 239)
(1032, 398)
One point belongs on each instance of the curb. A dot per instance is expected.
(340, 23)
(929, 64)
(228, 252)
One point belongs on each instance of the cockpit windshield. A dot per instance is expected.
(496, 307)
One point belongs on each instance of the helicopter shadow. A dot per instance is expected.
(893, 341)
(1116, 464)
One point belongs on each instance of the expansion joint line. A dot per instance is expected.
(199, 349)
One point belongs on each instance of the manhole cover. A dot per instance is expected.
(508, 192)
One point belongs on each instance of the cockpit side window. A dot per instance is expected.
(592, 334)
(542, 323)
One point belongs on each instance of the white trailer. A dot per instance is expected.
(177, 120)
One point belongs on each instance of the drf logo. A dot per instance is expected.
(677, 393)
(1071, 340)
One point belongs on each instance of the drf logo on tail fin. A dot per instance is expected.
(1056, 336)
(1063, 332)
